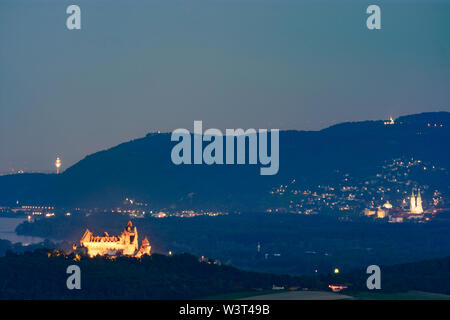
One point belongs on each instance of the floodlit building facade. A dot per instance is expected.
(125, 244)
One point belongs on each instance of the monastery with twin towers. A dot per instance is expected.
(416, 203)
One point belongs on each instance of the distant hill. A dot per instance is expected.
(142, 168)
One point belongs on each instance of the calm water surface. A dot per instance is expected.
(7, 227)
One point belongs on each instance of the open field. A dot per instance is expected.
(410, 295)
(323, 295)
(300, 295)
(281, 295)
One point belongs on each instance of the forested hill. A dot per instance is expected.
(142, 168)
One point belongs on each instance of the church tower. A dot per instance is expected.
(416, 203)
(419, 208)
(412, 202)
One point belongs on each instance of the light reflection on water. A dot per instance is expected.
(7, 227)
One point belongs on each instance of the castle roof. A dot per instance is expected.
(87, 235)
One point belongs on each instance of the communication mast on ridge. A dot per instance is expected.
(57, 164)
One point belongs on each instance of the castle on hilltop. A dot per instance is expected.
(125, 244)
(415, 206)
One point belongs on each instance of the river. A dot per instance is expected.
(7, 227)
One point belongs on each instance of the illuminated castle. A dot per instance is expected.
(125, 244)
(415, 206)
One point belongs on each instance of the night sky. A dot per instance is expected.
(141, 66)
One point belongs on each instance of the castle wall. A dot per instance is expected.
(104, 248)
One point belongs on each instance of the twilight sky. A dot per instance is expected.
(141, 66)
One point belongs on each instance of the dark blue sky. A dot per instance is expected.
(141, 66)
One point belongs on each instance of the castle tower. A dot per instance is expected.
(131, 235)
(145, 248)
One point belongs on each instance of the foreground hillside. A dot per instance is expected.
(41, 274)
(142, 168)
